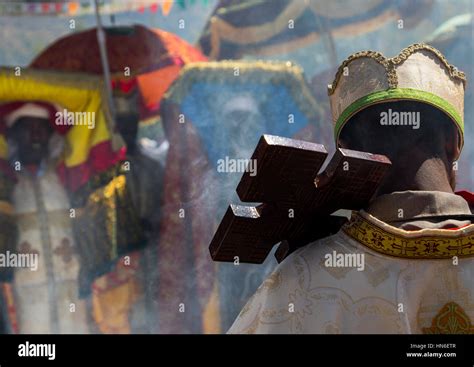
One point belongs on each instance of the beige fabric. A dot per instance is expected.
(418, 67)
(424, 71)
(362, 77)
(48, 290)
(390, 295)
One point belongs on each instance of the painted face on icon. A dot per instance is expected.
(243, 122)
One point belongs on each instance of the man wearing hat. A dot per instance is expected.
(404, 264)
(45, 287)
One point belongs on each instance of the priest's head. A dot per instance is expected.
(30, 130)
(409, 108)
(422, 153)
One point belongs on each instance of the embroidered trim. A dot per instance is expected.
(432, 244)
(451, 319)
(80, 197)
(390, 63)
(107, 228)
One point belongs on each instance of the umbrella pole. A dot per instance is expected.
(105, 62)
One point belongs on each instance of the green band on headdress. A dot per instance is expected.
(399, 94)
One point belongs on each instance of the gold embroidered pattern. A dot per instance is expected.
(422, 247)
(389, 64)
(107, 228)
(80, 197)
(451, 319)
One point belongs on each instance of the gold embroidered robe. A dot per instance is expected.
(418, 281)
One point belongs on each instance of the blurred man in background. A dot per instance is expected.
(46, 298)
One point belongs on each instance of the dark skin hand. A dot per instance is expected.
(32, 135)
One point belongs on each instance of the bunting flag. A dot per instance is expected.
(84, 7)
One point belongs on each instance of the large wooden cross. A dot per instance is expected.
(296, 201)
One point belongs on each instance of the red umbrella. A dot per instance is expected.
(138, 56)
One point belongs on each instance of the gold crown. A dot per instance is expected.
(419, 73)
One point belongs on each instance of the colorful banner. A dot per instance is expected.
(84, 7)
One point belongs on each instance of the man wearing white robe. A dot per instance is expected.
(404, 264)
(46, 299)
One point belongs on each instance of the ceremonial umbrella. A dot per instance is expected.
(72, 8)
(262, 27)
(140, 59)
(149, 59)
(214, 114)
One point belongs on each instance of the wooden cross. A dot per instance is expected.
(297, 202)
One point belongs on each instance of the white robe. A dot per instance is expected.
(391, 295)
(47, 300)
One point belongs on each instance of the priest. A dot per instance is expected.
(414, 242)
(46, 299)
